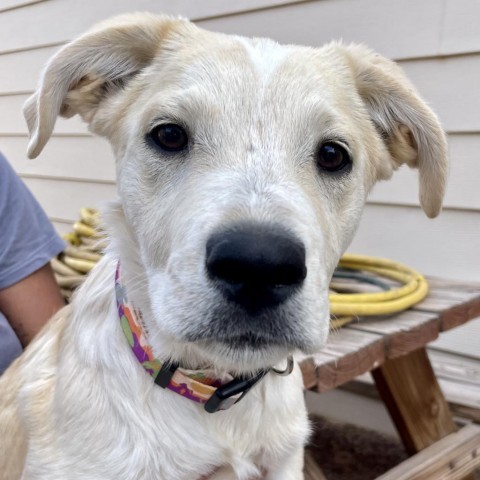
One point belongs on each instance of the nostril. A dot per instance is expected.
(256, 263)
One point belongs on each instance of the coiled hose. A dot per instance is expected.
(344, 307)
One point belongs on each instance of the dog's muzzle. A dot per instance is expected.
(256, 266)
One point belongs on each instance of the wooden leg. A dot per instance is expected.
(411, 393)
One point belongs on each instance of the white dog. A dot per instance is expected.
(243, 167)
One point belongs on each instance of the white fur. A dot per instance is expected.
(78, 402)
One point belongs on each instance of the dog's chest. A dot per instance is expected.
(253, 436)
(172, 438)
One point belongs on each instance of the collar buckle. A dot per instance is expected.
(165, 374)
(223, 399)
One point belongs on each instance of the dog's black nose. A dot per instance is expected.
(256, 266)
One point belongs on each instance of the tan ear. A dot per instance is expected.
(83, 72)
(410, 129)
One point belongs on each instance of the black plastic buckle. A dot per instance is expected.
(238, 385)
(165, 374)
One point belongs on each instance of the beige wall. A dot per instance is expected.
(436, 41)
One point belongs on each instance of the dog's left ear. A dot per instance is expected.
(409, 128)
(92, 67)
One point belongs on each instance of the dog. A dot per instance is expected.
(242, 168)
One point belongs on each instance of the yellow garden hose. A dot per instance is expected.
(414, 289)
(86, 244)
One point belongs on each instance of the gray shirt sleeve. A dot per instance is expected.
(27, 238)
(27, 242)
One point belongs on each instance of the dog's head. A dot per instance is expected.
(243, 167)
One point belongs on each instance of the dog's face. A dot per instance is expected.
(243, 167)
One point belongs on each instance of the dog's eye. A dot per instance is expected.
(332, 157)
(170, 137)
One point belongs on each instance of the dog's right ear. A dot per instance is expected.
(83, 72)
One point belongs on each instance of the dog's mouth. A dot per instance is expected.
(247, 352)
(248, 339)
(229, 325)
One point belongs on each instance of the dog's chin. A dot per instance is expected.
(244, 354)
(250, 351)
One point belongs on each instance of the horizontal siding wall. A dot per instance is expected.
(444, 247)
(53, 22)
(397, 28)
(437, 42)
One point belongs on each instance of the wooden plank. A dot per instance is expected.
(437, 304)
(457, 315)
(452, 294)
(347, 354)
(451, 458)
(406, 331)
(414, 400)
(86, 158)
(444, 299)
(345, 341)
(332, 372)
(456, 303)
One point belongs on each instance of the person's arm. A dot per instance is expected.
(29, 303)
(29, 295)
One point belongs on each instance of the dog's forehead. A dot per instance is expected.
(239, 71)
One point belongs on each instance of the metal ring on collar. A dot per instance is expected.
(288, 370)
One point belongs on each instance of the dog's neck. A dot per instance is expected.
(200, 386)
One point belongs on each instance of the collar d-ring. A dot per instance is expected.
(288, 370)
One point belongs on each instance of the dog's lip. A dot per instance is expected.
(249, 339)
(240, 339)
